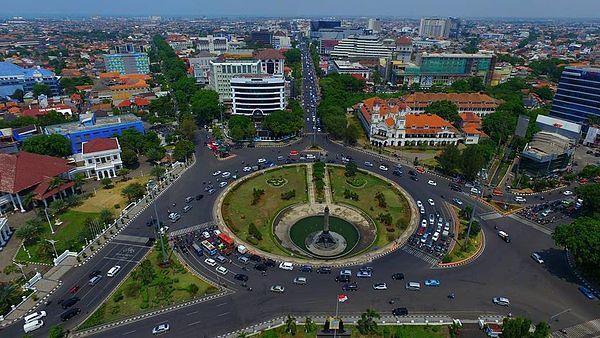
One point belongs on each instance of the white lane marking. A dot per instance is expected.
(223, 314)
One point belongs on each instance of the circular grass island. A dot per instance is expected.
(274, 211)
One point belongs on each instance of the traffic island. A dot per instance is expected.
(463, 251)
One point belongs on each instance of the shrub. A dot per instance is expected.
(250, 239)
(288, 195)
(381, 200)
(118, 296)
(115, 309)
(193, 289)
(351, 195)
(385, 218)
(253, 230)
(256, 194)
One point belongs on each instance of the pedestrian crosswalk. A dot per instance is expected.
(584, 330)
(420, 254)
(490, 215)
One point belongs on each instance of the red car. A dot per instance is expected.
(74, 289)
(293, 152)
(497, 192)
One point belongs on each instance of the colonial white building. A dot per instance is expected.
(101, 158)
(392, 123)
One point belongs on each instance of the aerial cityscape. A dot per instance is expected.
(300, 169)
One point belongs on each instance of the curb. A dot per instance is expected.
(467, 260)
(578, 275)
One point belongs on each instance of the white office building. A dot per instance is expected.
(257, 95)
(212, 44)
(201, 66)
(222, 71)
(361, 47)
(436, 28)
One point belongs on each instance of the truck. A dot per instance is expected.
(227, 243)
(197, 248)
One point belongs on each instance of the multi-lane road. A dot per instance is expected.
(537, 291)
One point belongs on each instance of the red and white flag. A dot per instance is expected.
(342, 298)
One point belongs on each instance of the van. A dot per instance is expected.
(95, 280)
(113, 271)
(415, 286)
(504, 236)
(34, 316)
(33, 325)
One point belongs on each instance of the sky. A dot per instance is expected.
(397, 8)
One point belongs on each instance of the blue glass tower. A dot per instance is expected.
(578, 95)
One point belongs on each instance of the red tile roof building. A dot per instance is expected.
(478, 103)
(24, 172)
(392, 123)
(101, 158)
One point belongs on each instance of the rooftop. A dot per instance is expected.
(9, 69)
(71, 127)
(545, 143)
(99, 144)
(24, 170)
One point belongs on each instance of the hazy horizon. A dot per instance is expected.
(525, 9)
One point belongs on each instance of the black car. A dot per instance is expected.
(350, 286)
(199, 197)
(241, 277)
(255, 258)
(324, 270)
(342, 279)
(414, 178)
(270, 263)
(397, 172)
(69, 314)
(455, 187)
(150, 241)
(95, 273)
(412, 173)
(398, 276)
(306, 268)
(260, 267)
(400, 311)
(69, 302)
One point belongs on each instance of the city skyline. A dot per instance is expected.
(273, 8)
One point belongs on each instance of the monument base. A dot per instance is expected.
(326, 249)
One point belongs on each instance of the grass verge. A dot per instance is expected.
(397, 331)
(462, 251)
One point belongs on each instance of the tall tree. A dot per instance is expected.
(133, 191)
(582, 238)
(52, 145)
(445, 109)
(450, 159)
(183, 150)
(241, 128)
(41, 88)
(205, 105)
(473, 161)
(590, 194)
(187, 128)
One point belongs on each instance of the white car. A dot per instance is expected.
(310, 156)
(226, 174)
(277, 288)
(419, 204)
(422, 210)
(368, 164)
(431, 202)
(536, 257)
(247, 169)
(432, 182)
(210, 262)
(161, 328)
(503, 301)
(217, 173)
(380, 286)
(424, 223)
(300, 280)
(113, 271)
(262, 160)
(567, 193)
(222, 184)
(286, 266)
(475, 191)
(383, 167)
(222, 270)
(520, 199)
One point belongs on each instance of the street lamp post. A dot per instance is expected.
(480, 194)
(20, 266)
(48, 218)
(53, 242)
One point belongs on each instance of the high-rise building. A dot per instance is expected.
(361, 47)
(435, 28)
(578, 96)
(264, 38)
(130, 63)
(444, 69)
(13, 77)
(223, 70)
(212, 44)
(375, 25)
(257, 94)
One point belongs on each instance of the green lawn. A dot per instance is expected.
(461, 250)
(238, 211)
(66, 236)
(397, 205)
(168, 286)
(400, 331)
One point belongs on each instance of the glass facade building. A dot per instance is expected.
(578, 95)
(130, 63)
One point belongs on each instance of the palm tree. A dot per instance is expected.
(7, 296)
(29, 232)
(158, 172)
(55, 182)
(366, 324)
(78, 180)
(309, 325)
(123, 172)
(28, 199)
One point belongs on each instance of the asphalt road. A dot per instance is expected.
(504, 269)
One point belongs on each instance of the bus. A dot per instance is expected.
(208, 248)
(197, 248)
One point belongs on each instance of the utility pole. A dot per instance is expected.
(48, 218)
(53, 242)
(472, 215)
(162, 244)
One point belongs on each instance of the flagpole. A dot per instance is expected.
(337, 305)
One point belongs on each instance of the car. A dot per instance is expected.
(199, 197)
(306, 268)
(324, 270)
(74, 289)
(260, 267)
(587, 292)
(432, 282)
(368, 164)
(211, 191)
(189, 199)
(300, 280)
(505, 237)
(277, 288)
(422, 211)
(69, 314)
(247, 169)
(502, 301)
(431, 219)
(567, 193)
(342, 279)
(113, 271)
(262, 160)
(210, 262)
(350, 286)
(400, 311)
(455, 187)
(222, 270)
(94, 273)
(241, 277)
(364, 274)
(216, 173)
(398, 276)
(187, 208)
(457, 201)
(222, 259)
(383, 167)
(419, 204)
(379, 286)
(536, 257)
(431, 202)
(69, 302)
(34, 316)
(414, 178)
(346, 272)
(286, 266)
(475, 191)
(226, 174)
(310, 156)
(162, 328)
(520, 199)
(432, 182)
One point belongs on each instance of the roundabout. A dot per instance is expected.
(294, 225)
